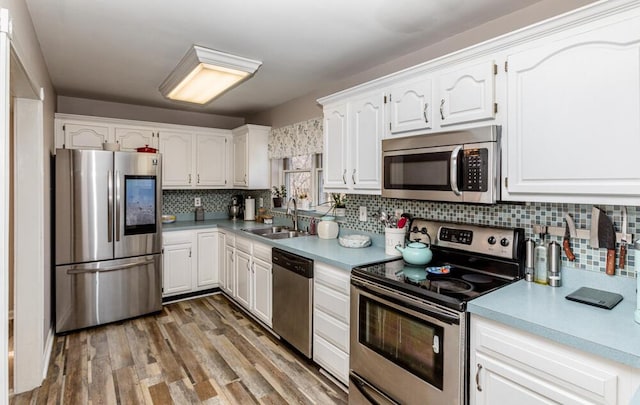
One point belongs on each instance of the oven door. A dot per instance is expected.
(404, 350)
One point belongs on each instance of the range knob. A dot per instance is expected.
(414, 229)
(492, 240)
(504, 242)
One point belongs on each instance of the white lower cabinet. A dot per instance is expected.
(248, 276)
(190, 261)
(331, 320)
(508, 366)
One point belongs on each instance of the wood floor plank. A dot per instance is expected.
(201, 351)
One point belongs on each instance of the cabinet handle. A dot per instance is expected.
(424, 112)
(478, 387)
(353, 176)
(442, 109)
(245, 179)
(189, 252)
(189, 178)
(198, 178)
(344, 179)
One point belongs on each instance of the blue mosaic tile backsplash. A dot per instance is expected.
(177, 202)
(508, 215)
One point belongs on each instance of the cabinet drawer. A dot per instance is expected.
(332, 277)
(243, 245)
(262, 252)
(331, 358)
(175, 237)
(332, 303)
(335, 332)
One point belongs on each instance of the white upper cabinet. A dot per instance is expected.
(131, 138)
(352, 135)
(335, 147)
(367, 126)
(84, 135)
(211, 160)
(466, 93)
(250, 157)
(177, 151)
(573, 116)
(410, 106)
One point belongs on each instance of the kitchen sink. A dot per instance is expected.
(277, 232)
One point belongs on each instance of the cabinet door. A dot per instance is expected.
(335, 147)
(207, 268)
(367, 121)
(240, 160)
(230, 270)
(176, 149)
(410, 106)
(243, 278)
(573, 122)
(467, 94)
(177, 270)
(262, 290)
(85, 136)
(211, 160)
(132, 138)
(221, 259)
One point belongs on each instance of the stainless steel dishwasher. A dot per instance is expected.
(293, 299)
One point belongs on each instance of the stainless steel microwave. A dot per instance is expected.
(457, 166)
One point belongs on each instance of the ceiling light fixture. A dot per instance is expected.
(204, 74)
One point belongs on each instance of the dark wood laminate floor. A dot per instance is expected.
(200, 351)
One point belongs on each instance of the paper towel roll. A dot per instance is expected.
(250, 209)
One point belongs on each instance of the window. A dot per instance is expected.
(302, 176)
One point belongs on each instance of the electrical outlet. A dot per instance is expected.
(197, 201)
(362, 216)
(261, 202)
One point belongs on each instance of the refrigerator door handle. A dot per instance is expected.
(105, 269)
(110, 206)
(117, 206)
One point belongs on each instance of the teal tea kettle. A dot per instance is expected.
(416, 253)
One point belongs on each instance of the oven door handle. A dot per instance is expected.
(372, 394)
(405, 301)
(453, 171)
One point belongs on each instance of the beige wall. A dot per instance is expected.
(27, 47)
(84, 106)
(305, 107)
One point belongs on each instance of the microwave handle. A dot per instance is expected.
(453, 172)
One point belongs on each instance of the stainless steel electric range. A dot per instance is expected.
(409, 329)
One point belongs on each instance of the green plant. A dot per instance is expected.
(339, 200)
(280, 192)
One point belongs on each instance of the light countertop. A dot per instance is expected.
(543, 310)
(324, 250)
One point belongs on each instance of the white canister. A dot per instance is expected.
(328, 228)
(394, 237)
(250, 209)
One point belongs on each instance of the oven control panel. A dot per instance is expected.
(494, 241)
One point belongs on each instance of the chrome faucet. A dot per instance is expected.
(294, 216)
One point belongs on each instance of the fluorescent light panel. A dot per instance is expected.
(204, 74)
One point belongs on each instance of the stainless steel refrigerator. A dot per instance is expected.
(108, 208)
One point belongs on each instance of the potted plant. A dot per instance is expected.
(339, 204)
(278, 194)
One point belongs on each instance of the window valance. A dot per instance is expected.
(301, 138)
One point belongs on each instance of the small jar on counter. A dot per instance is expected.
(328, 228)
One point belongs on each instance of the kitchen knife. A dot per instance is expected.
(623, 241)
(593, 232)
(607, 239)
(569, 231)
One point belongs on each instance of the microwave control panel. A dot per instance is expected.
(475, 170)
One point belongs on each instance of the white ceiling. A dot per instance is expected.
(121, 50)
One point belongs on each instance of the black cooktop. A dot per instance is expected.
(459, 271)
